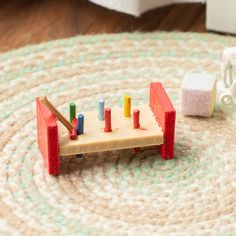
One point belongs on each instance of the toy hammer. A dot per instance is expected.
(72, 131)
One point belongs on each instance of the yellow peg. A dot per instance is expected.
(127, 106)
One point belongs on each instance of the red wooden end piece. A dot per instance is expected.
(165, 114)
(48, 138)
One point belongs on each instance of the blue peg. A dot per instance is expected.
(80, 127)
(101, 109)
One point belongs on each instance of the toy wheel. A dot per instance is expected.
(226, 99)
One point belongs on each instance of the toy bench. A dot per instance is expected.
(157, 127)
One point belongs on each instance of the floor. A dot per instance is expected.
(24, 22)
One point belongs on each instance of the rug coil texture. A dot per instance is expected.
(116, 192)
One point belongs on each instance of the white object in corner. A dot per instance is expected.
(229, 95)
(221, 15)
(227, 87)
(137, 7)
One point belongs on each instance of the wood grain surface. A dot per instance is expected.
(24, 22)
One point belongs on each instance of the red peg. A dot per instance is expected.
(74, 123)
(73, 132)
(107, 120)
(136, 113)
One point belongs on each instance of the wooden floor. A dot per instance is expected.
(24, 22)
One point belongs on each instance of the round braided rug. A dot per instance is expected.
(116, 192)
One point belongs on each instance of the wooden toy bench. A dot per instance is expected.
(157, 127)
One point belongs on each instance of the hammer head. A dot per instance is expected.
(73, 134)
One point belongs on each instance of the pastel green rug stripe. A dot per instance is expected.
(112, 38)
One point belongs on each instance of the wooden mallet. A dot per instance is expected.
(72, 130)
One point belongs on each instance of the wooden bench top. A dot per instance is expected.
(123, 134)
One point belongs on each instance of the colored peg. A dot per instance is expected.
(80, 127)
(74, 123)
(101, 109)
(107, 120)
(127, 106)
(72, 108)
(136, 114)
(73, 132)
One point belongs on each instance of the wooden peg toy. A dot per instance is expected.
(158, 129)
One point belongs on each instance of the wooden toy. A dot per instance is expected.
(227, 87)
(198, 94)
(150, 125)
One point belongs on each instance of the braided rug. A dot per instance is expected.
(116, 192)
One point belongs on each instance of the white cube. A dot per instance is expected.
(198, 94)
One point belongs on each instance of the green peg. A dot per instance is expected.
(72, 107)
